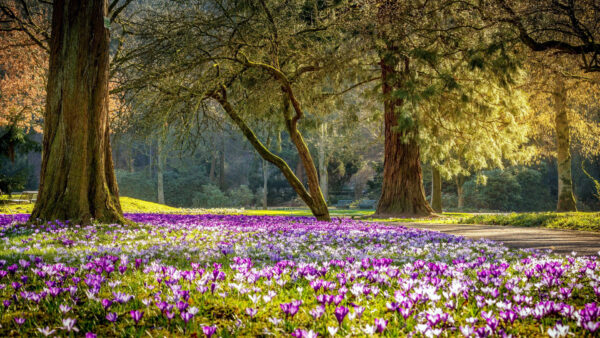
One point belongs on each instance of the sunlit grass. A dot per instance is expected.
(589, 221)
(128, 204)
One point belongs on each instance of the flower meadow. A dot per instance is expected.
(224, 276)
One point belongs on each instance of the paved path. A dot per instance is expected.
(561, 241)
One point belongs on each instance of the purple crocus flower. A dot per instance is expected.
(380, 325)
(69, 324)
(591, 326)
(251, 312)
(340, 313)
(64, 308)
(106, 303)
(209, 330)
(181, 306)
(186, 316)
(19, 320)
(359, 311)
(112, 317)
(136, 315)
(46, 331)
(317, 312)
(91, 335)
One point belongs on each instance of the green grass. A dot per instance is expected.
(128, 204)
(589, 221)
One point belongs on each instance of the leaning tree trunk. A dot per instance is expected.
(318, 203)
(314, 201)
(77, 180)
(436, 190)
(566, 198)
(402, 192)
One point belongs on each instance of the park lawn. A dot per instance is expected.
(588, 221)
(445, 218)
(129, 205)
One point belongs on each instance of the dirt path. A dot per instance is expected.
(560, 241)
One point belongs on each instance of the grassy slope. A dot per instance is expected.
(127, 203)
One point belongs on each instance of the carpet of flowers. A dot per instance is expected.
(220, 275)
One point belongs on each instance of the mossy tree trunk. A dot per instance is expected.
(436, 190)
(402, 192)
(77, 180)
(323, 160)
(566, 198)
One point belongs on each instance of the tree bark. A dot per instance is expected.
(323, 175)
(566, 198)
(436, 190)
(460, 181)
(77, 180)
(402, 193)
(160, 170)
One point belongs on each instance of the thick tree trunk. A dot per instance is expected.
(460, 181)
(566, 198)
(436, 190)
(160, 170)
(323, 175)
(265, 192)
(402, 192)
(77, 180)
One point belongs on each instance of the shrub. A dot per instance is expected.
(210, 196)
(241, 196)
(513, 189)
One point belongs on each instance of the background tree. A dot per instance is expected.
(261, 57)
(564, 117)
